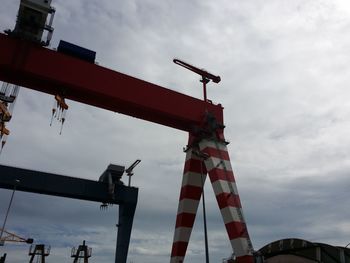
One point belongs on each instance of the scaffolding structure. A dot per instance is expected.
(82, 252)
(39, 252)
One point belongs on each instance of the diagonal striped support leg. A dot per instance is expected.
(192, 187)
(221, 176)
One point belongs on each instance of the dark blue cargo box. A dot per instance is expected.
(76, 51)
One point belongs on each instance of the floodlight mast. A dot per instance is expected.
(129, 171)
(206, 76)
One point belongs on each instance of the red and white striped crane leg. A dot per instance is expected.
(191, 191)
(221, 176)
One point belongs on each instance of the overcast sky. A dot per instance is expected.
(285, 89)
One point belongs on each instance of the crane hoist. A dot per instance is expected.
(8, 97)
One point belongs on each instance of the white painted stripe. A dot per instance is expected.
(221, 186)
(177, 259)
(231, 214)
(241, 247)
(182, 234)
(211, 144)
(194, 179)
(214, 162)
(188, 206)
(191, 155)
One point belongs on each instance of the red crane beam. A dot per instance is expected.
(32, 66)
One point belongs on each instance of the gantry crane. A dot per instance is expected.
(25, 62)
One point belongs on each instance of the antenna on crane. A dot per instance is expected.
(206, 76)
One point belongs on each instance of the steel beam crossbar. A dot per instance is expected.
(64, 186)
(77, 188)
(26, 64)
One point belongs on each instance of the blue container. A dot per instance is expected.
(76, 51)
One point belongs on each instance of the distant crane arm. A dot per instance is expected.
(11, 237)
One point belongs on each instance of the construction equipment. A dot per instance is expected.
(76, 51)
(206, 76)
(83, 252)
(8, 96)
(108, 190)
(38, 253)
(49, 71)
(11, 237)
(32, 21)
(130, 171)
(59, 110)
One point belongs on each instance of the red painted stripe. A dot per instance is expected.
(191, 192)
(179, 249)
(228, 199)
(194, 165)
(214, 152)
(220, 174)
(245, 259)
(185, 220)
(236, 230)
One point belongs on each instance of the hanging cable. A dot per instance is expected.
(8, 209)
(63, 118)
(204, 217)
(59, 111)
(54, 110)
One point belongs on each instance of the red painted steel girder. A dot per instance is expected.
(32, 66)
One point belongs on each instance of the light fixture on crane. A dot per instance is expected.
(129, 171)
(206, 76)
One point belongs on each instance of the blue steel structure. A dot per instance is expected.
(103, 191)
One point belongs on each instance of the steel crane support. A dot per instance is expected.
(27, 64)
(210, 156)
